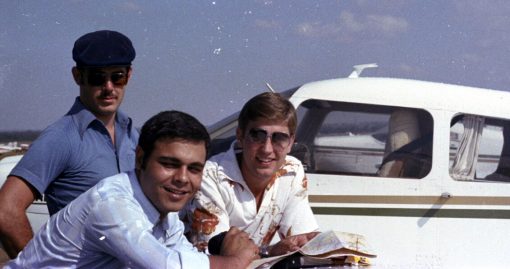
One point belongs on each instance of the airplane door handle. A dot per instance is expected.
(446, 195)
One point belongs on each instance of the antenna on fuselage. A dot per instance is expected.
(359, 68)
(270, 88)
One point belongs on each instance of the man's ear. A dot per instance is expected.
(129, 72)
(239, 135)
(289, 147)
(77, 75)
(139, 158)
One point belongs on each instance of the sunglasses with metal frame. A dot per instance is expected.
(98, 78)
(278, 139)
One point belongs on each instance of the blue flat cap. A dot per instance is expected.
(103, 48)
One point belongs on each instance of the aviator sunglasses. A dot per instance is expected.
(96, 78)
(278, 139)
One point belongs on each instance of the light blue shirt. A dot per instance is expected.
(74, 153)
(112, 225)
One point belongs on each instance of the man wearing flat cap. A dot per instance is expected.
(92, 141)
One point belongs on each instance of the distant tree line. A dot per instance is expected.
(327, 129)
(19, 136)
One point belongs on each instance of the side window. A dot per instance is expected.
(368, 140)
(479, 148)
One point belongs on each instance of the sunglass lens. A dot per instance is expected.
(281, 139)
(119, 78)
(96, 79)
(99, 78)
(258, 136)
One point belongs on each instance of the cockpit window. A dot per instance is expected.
(366, 140)
(479, 148)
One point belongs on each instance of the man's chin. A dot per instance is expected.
(174, 208)
(177, 205)
(106, 110)
(265, 174)
(109, 108)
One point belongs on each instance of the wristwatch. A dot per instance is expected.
(264, 251)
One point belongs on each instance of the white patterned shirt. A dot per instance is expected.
(112, 225)
(225, 200)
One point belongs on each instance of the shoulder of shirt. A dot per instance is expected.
(116, 185)
(216, 161)
(293, 163)
(59, 129)
(211, 171)
(60, 125)
(216, 167)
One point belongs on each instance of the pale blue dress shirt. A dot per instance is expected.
(112, 225)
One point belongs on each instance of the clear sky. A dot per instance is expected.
(208, 57)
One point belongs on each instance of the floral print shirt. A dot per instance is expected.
(225, 200)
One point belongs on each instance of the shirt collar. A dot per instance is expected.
(83, 117)
(123, 120)
(229, 165)
(150, 211)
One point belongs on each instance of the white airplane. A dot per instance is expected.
(421, 169)
(9, 147)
